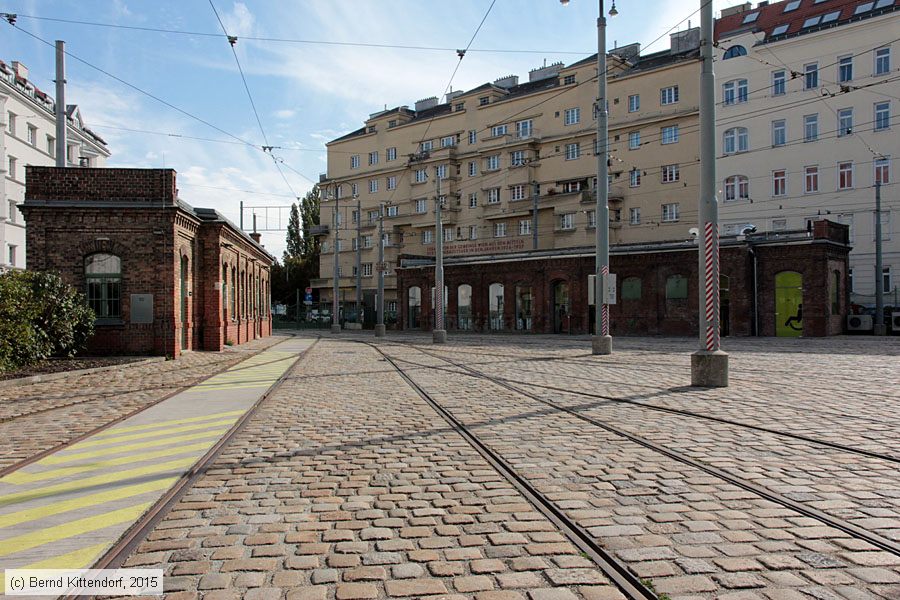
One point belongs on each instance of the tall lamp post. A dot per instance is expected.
(709, 365)
(601, 341)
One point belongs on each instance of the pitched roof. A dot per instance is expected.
(798, 18)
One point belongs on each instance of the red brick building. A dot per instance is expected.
(790, 283)
(162, 276)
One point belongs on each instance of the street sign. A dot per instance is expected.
(309, 291)
(609, 292)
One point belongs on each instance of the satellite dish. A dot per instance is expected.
(694, 232)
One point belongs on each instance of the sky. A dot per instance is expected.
(176, 99)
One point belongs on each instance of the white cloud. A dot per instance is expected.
(239, 20)
(285, 113)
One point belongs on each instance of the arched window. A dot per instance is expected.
(233, 294)
(737, 187)
(414, 305)
(103, 275)
(736, 139)
(464, 307)
(495, 306)
(735, 51)
(224, 292)
(734, 91)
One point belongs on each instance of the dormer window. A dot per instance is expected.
(792, 5)
(812, 21)
(484, 100)
(780, 29)
(751, 18)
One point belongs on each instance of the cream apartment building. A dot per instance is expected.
(28, 137)
(807, 123)
(518, 159)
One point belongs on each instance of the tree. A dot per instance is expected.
(301, 257)
(309, 216)
(294, 240)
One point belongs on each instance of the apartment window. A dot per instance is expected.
(11, 254)
(473, 200)
(499, 230)
(779, 132)
(517, 158)
(11, 123)
(492, 163)
(734, 92)
(670, 212)
(393, 211)
(421, 206)
(448, 234)
(420, 176)
(354, 246)
(427, 236)
(845, 69)
(484, 101)
(882, 172)
(373, 158)
(354, 161)
(392, 183)
(367, 269)
(498, 130)
(845, 122)
(493, 196)
(442, 172)
(473, 232)
(373, 186)
(737, 187)
(669, 135)
(367, 241)
(811, 180)
(573, 151)
(32, 135)
(592, 219)
(882, 61)
(736, 139)
(373, 216)
(103, 275)
(634, 178)
(568, 80)
(569, 187)
(670, 173)
(634, 216)
(634, 140)
(426, 146)
(882, 116)
(811, 76)
(572, 116)
(845, 175)
(810, 128)
(12, 212)
(567, 221)
(11, 173)
(524, 129)
(524, 226)
(634, 103)
(392, 123)
(51, 146)
(473, 136)
(354, 218)
(391, 154)
(448, 141)
(886, 283)
(459, 106)
(668, 95)
(779, 83)
(517, 192)
(779, 182)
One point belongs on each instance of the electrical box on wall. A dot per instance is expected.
(141, 308)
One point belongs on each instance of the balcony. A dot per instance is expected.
(319, 230)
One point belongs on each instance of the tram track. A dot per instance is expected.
(855, 531)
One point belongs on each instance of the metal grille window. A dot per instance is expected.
(103, 274)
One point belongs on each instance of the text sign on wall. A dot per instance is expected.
(481, 247)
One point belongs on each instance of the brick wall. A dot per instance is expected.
(107, 185)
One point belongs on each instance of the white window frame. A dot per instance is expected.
(421, 206)
(473, 168)
(373, 186)
(354, 161)
(634, 140)
(390, 154)
(373, 157)
(881, 170)
(634, 103)
(811, 179)
(779, 183)
(845, 171)
(735, 140)
(500, 229)
(393, 210)
(845, 69)
(421, 176)
(811, 128)
(448, 141)
(634, 178)
(493, 196)
(492, 163)
(473, 200)
(811, 76)
(518, 192)
(392, 183)
(573, 151)
(473, 136)
(473, 232)
(845, 121)
(634, 215)
(668, 95)
(669, 135)
(524, 129)
(670, 212)
(524, 226)
(567, 221)
(882, 116)
(779, 83)
(442, 171)
(572, 116)
(517, 158)
(427, 146)
(670, 173)
(779, 132)
(498, 130)
(882, 61)
(427, 236)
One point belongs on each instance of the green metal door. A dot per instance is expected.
(788, 304)
(184, 302)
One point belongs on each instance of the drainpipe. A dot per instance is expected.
(755, 291)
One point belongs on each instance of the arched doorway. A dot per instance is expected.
(561, 318)
(495, 301)
(464, 307)
(184, 302)
(414, 305)
(788, 304)
(523, 307)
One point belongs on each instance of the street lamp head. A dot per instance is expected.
(564, 2)
(612, 11)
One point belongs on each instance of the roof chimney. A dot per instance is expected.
(20, 70)
(426, 103)
(256, 236)
(733, 10)
(507, 82)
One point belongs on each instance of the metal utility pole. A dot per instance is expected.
(241, 222)
(379, 299)
(601, 341)
(439, 334)
(879, 266)
(335, 302)
(60, 103)
(358, 262)
(709, 365)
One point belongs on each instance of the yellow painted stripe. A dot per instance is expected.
(235, 386)
(136, 436)
(87, 482)
(20, 477)
(33, 539)
(118, 430)
(57, 459)
(34, 514)
(79, 559)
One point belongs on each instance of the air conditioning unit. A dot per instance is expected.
(859, 323)
(895, 323)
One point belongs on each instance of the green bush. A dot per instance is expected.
(40, 316)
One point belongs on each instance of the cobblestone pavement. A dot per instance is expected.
(693, 534)
(346, 485)
(37, 416)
